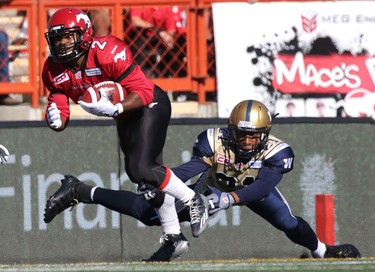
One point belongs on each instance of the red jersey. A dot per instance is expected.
(179, 17)
(107, 59)
(162, 18)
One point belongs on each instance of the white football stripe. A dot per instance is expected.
(92, 94)
(121, 91)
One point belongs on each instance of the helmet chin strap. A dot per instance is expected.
(244, 154)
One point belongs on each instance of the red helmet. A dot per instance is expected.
(69, 21)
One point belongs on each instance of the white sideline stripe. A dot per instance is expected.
(208, 265)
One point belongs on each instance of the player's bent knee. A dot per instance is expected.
(153, 175)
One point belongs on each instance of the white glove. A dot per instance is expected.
(103, 107)
(219, 200)
(4, 153)
(53, 116)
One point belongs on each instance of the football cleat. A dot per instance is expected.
(198, 206)
(342, 251)
(66, 196)
(172, 246)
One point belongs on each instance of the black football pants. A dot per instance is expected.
(142, 138)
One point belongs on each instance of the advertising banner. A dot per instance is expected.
(309, 59)
(339, 163)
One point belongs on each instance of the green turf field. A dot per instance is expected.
(291, 265)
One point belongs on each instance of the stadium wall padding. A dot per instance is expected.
(330, 158)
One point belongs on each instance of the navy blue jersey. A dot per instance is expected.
(251, 180)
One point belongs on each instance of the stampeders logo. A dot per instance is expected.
(120, 56)
(309, 21)
(85, 18)
(323, 74)
(61, 78)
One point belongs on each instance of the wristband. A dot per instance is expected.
(235, 197)
(120, 108)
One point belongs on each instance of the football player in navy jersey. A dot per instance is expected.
(240, 164)
(78, 61)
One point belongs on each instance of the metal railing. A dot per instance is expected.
(189, 67)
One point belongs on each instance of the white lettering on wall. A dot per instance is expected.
(78, 216)
(99, 220)
(339, 76)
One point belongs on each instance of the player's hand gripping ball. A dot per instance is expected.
(103, 99)
(112, 89)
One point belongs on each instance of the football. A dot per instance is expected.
(114, 91)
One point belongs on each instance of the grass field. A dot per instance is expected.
(291, 265)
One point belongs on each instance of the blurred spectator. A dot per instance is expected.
(153, 36)
(22, 36)
(101, 21)
(155, 22)
(290, 109)
(4, 57)
(320, 108)
(178, 53)
(177, 56)
(5, 99)
(211, 63)
(179, 17)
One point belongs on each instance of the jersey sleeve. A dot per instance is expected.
(203, 146)
(136, 12)
(201, 149)
(138, 83)
(190, 169)
(62, 103)
(281, 158)
(169, 23)
(56, 95)
(262, 186)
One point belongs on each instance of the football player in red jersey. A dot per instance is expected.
(78, 61)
